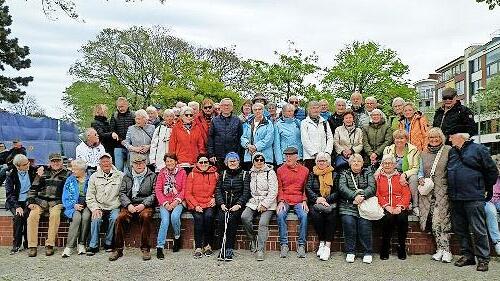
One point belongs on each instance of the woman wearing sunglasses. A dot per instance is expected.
(204, 118)
(200, 189)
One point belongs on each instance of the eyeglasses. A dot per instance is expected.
(294, 102)
(188, 115)
(207, 107)
(258, 160)
(203, 162)
(447, 98)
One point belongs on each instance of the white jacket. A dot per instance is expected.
(159, 146)
(90, 155)
(342, 140)
(315, 138)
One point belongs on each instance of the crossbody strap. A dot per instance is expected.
(434, 165)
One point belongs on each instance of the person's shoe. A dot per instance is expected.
(108, 248)
(177, 245)
(260, 255)
(32, 252)
(416, 211)
(367, 259)
(464, 261)
(49, 250)
(197, 253)
(447, 257)
(482, 266)
(229, 255)
(284, 251)
(301, 251)
(384, 255)
(15, 250)
(325, 255)
(320, 249)
(92, 251)
(66, 253)
(146, 255)
(402, 253)
(253, 245)
(159, 253)
(350, 258)
(438, 255)
(497, 248)
(118, 254)
(81, 249)
(220, 256)
(207, 251)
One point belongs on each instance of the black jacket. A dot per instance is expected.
(313, 191)
(335, 121)
(13, 152)
(146, 194)
(119, 124)
(13, 187)
(224, 136)
(103, 128)
(471, 173)
(233, 188)
(458, 115)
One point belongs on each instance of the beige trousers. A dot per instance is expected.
(33, 222)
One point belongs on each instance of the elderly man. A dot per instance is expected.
(325, 109)
(120, 121)
(362, 117)
(337, 118)
(153, 117)
(45, 196)
(195, 106)
(224, 134)
(137, 199)
(398, 105)
(299, 113)
(471, 174)
(371, 103)
(103, 201)
(316, 135)
(90, 150)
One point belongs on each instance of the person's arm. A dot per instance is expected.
(358, 141)
(468, 120)
(154, 145)
(160, 182)
(181, 191)
(66, 194)
(420, 169)
(90, 196)
(278, 153)
(382, 200)
(124, 199)
(189, 191)
(336, 142)
(245, 138)
(424, 128)
(103, 135)
(404, 200)
(387, 141)
(413, 164)
(366, 144)
(245, 195)
(219, 198)
(10, 192)
(280, 186)
(307, 145)
(344, 190)
(371, 188)
(210, 140)
(310, 187)
(38, 181)
(150, 200)
(329, 140)
(272, 193)
(267, 141)
(127, 142)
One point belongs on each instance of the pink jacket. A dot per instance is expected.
(176, 193)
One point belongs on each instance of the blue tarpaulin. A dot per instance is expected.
(41, 136)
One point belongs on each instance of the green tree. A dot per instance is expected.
(491, 3)
(488, 99)
(14, 56)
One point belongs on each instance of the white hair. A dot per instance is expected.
(226, 100)
(294, 97)
(142, 113)
(340, 100)
(79, 164)
(376, 110)
(465, 136)
(151, 109)
(180, 104)
(186, 108)
(88, 132)
(388, 157)
(257, 105)
(194, 105)
(371, 98)
(288, 106)
(168, 112)
(397, 100)
(354, 157)
(324, 156)
(19, 159)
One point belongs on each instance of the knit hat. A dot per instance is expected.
(231, 155)
(257, 154)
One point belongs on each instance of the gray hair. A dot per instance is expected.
(186, 108)
(257, 105)
(376, 110)
(180, 104)
(312, 103)
(324, 156)
(388, 157)
(19, 159)
(436, 131)
(226, 100)
(151, 109)
(194, 105)
(324, 100)
(371, 98)
(79, 164)
(288, 106)
(465, 136)
(397, 100)
(340, 100)
(168, 112)
(87, 133)
(176, 110)
(354, 157)
(294, 97)
(142, 113)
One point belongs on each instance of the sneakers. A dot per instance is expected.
(49, 250)
(301, 251)
(367, 259)
(15, 250)
(81, 249)
(464, 261)
(497, 248)
(253, 245)
(325, 254)
(207, 251)
(482, 266)
(66, 253)
(350, 258)
(416, 211)
(197, 253)
(92, 251)
(108, 248)
(146, 254)
(438, 255)
(260, 255)
(447, 257)
(320, 249)
(159, 253)
(177, 245)
(229, 255)
(284, 251)
(116, 255)
(32, 252)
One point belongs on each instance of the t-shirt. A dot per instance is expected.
(80, 188)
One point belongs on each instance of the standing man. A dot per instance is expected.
(90, 150)
(120, 121)
(371, 103)
(398, 105)
(362, 117)
(300, 113)
(337, 118)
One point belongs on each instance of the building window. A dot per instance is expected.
(493, 56)
(474, 86)
(460, 87)
(428, 103)
(475, 65)
(492, 69)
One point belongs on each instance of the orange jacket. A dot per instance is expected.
(418, 131)
(186, 145)
(203, 124)
(391, 193)
(200, 187)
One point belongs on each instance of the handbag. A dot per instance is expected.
(369, 209)
(320, 208)
(428, 185)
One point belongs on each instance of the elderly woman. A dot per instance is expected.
(169, 190)
(262, 201)
(325, 109)
(356, 185)
(407, 163)
(177, 113)
(75, 208)
(186, 140)
(273, 112)
(200, 189)
(246, 111)
(322, 198)
(17, 185)
(415, 125)
(103, 128)
(286, 133)
(376, 136)
(258, 136)
(161, 139)
(153, 118)
(394, 197)
(347, 140)
(492, 207)
(435, 205)
(231, 195)
(336, 119)
(398, 104)
(139, 136)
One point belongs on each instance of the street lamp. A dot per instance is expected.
(480, 91)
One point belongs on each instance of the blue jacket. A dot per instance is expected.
(263, 139)
(300, 114)
(471, 172)
(224, 136)
(326, 115)
(286, 133)
(71, 194)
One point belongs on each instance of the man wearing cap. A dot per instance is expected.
(90, 150)
(452, 113)
(45, 196)
(292, 178)
(103, 201)
(300, 114)
(471, 176)
(137, 199)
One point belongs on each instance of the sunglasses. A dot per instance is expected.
(188, 115)
(258, 160)
(447, 98)
(294, 102)
(203, 162)
(207, 107)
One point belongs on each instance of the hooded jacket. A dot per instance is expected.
(200, 187)
(262, 139)
(263, 188)
(186, 144)
(391, 193)
(71, 195)
(286, 134)
(418, 131)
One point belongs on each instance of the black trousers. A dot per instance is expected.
(232, 225)
(389, 222)
(324, 223)
(20, 226)
(203, 227)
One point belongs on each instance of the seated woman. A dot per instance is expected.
(394, 197)
(231, 194)
(322, 199)
(170, 189)
(75, 208)
(356, 185)
(200, 189)
(492, 207)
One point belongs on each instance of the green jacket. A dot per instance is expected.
(347, 190)
(376, 137)
(46, 191)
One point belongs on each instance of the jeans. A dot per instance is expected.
(492, 220)
(203, 227)
(173, 216)
(263, 231)
(232, 225)
(33, 222)
(20, 226)
(79, 228)
(145, 218)
(283, 228)
(120, 156)
(324, 224)
(357, 228)
(470, 216)
(95, 227)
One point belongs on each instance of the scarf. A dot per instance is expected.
(315, 119)
(138, 178)
(350, 128)
(170, 184)
(325, 180)
(434, 149)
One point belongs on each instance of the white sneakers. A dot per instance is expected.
(443, 256)
(350, 258)
(320, 249)
(81, 249)
(497, 248)
(438, 255)
(367, 259)
(66, 253)
(325, 254)
(416, 211)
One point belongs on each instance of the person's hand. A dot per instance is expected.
(421, 181)
(78, 207)
(19, 211)
(305, 207)
(131, 208)
(251, 148)
(212, 202)
(397, 210)
(261, 209)
(358, 199)
(173, 205)
(223, 208)
(40, 171)
(281, 207)
(115, 136)
(139, 208)
(402, 180)
(198, 209)
(213, 159)
(166, 205)
(31, 206)
(235, 208)
(96, 214)
(389, 209)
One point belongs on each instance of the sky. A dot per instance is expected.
(426, 34)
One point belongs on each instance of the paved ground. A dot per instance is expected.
(181, 266)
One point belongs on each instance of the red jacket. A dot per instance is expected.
(200, 187)
(391, 193)
(186, 145)
(291, 184)
(177, 193)
(203, 124)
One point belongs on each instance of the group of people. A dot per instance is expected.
(354, 163)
